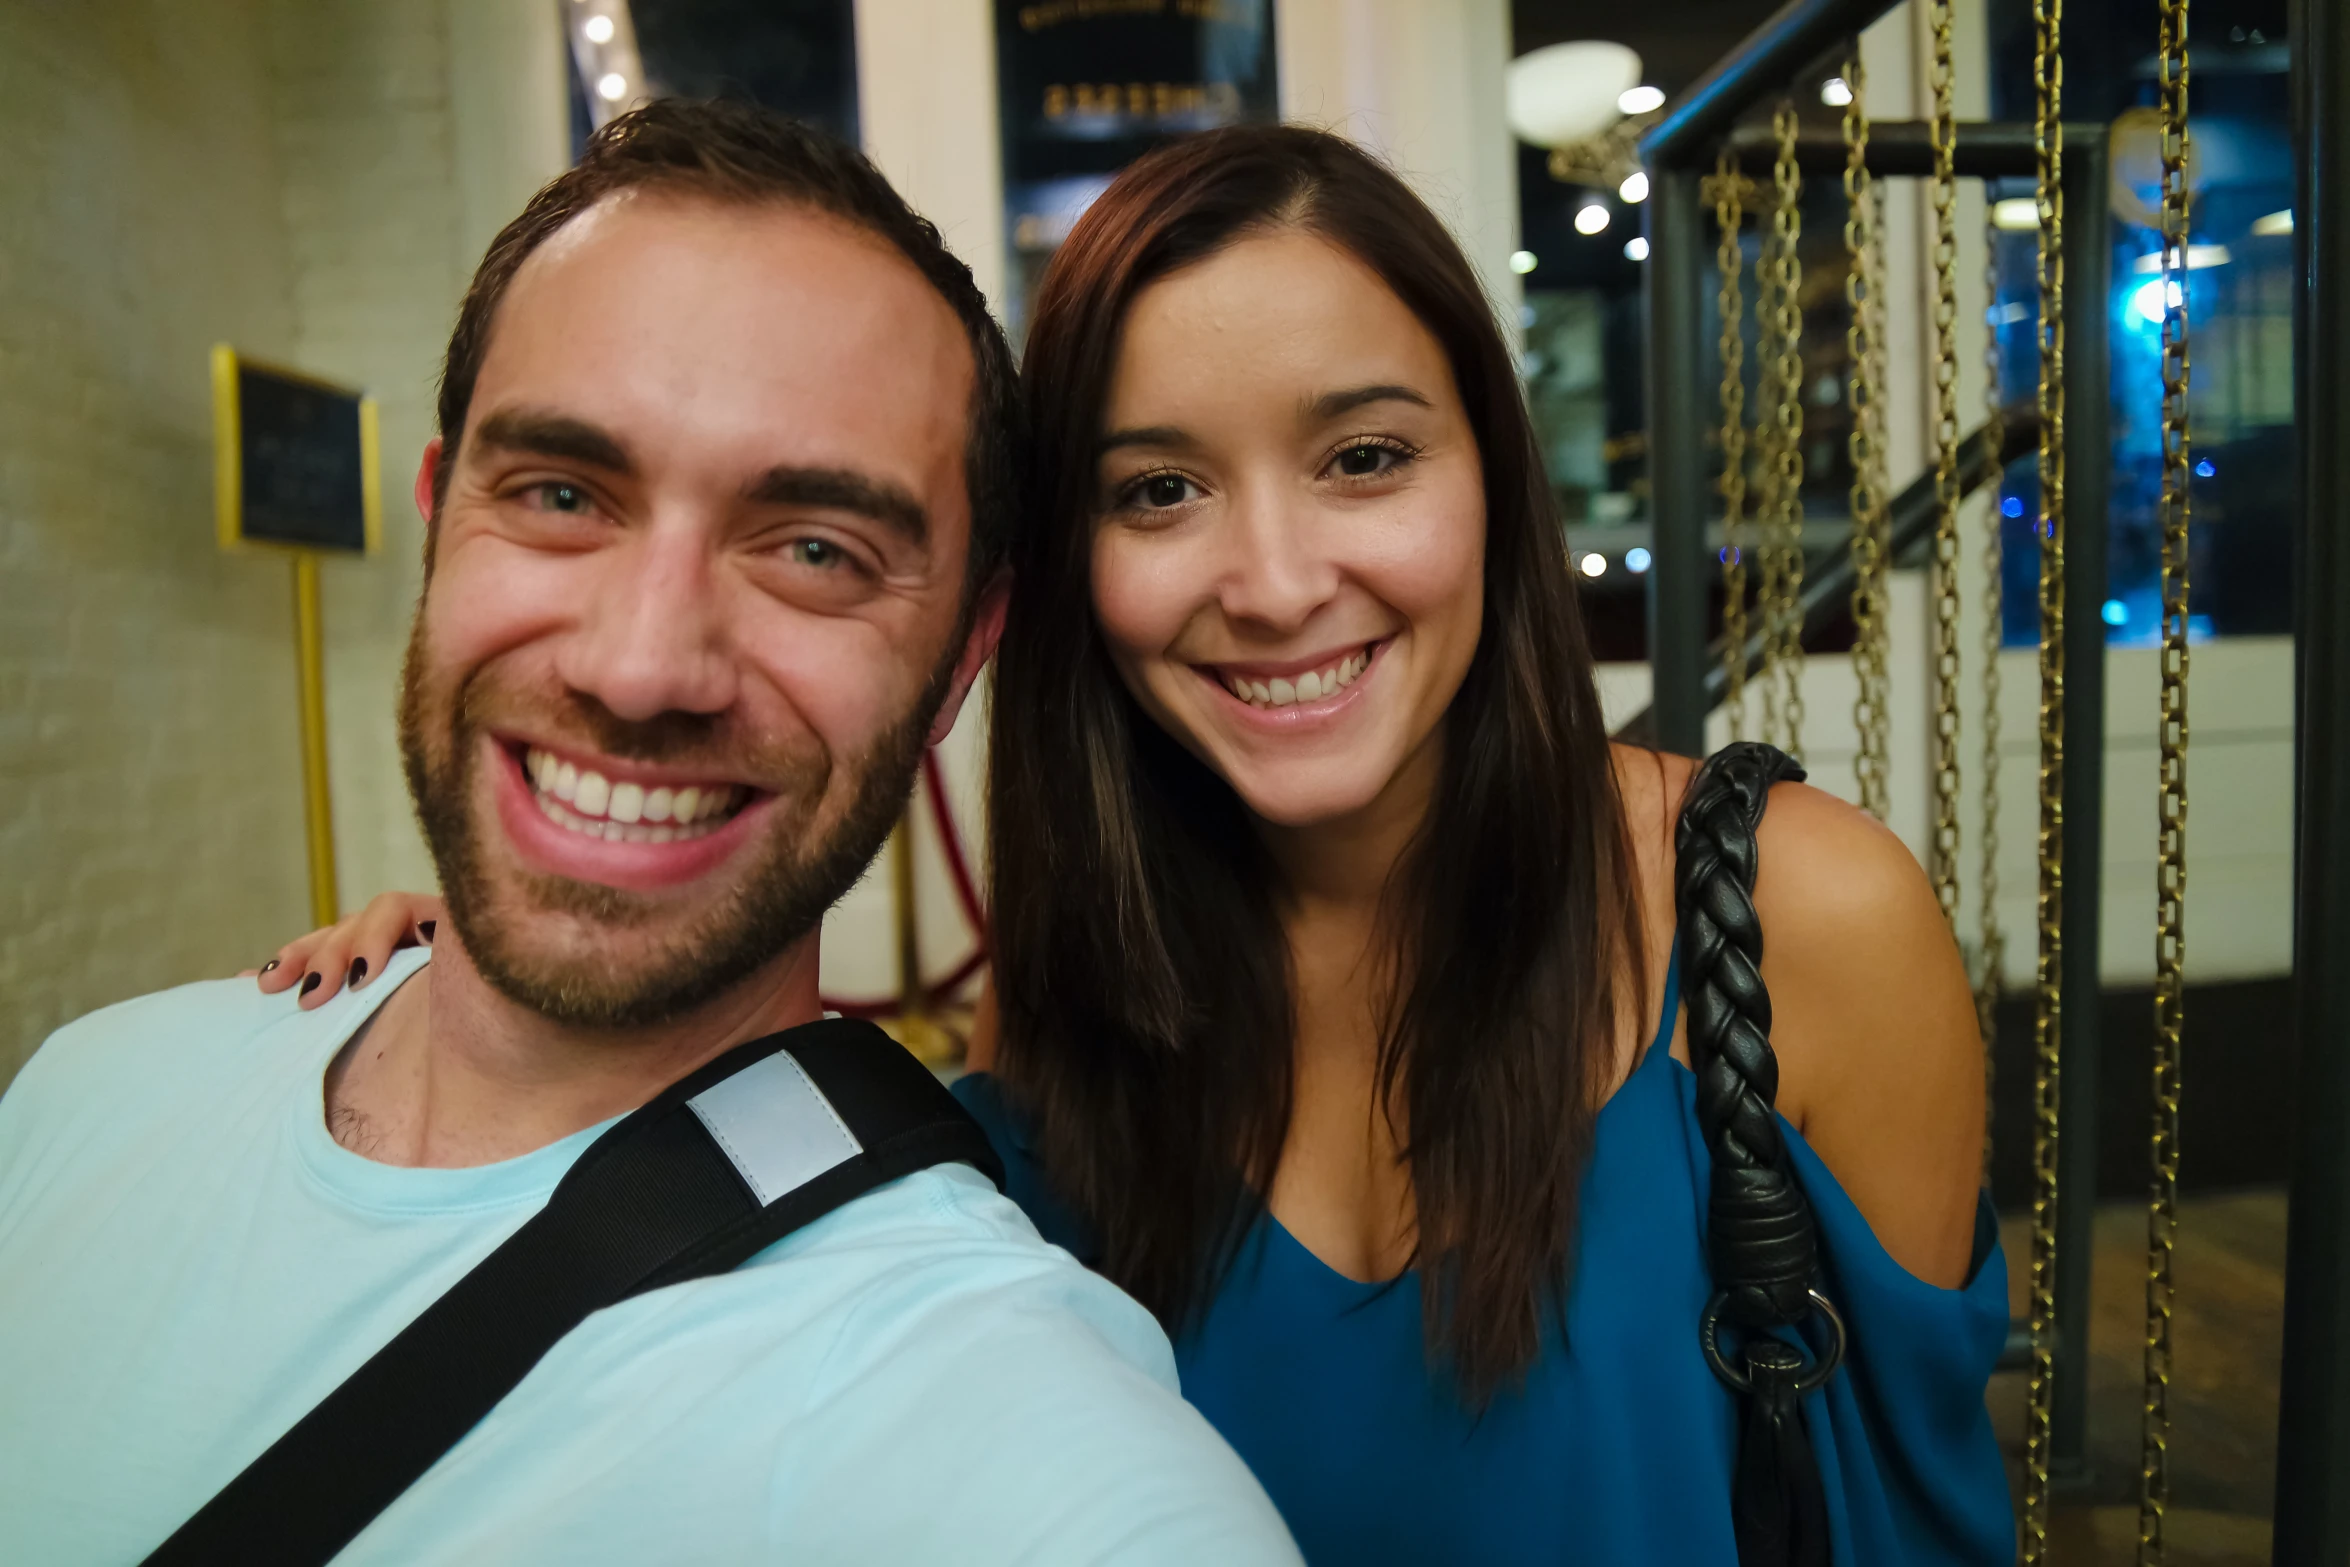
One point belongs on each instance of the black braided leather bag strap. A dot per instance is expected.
(1760, 1236)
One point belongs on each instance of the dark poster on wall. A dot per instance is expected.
(1087, 86)
(295, 460)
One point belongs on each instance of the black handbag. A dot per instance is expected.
(1761, 1241)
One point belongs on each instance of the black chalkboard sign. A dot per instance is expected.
(296, 459)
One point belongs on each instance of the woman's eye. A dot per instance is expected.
(1158, 491)
(1362, 462)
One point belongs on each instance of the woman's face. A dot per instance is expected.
(1288, 565)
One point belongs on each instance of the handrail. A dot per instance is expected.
(1760, 66)
(1910, 521)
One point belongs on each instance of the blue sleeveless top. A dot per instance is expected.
(1618, 1445)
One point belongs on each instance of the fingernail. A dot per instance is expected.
(310, 982)
(358, 972)
(266, 967)
(425, 930)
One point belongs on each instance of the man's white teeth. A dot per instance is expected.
(625, 812)
(1311, 686)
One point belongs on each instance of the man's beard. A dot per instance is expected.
(784, 896)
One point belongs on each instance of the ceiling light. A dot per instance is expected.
(1567, 93)
(2198, 257)
(2148, 300)
(1634, 190)
(598, 29)
(1641, 99)
(1593, 564)
(2016, 213)
(1636, 560)
(1523, 262)
(1835, 92)
(1591, 218)
(2274, 223)
(612, 88)
(1636, 248)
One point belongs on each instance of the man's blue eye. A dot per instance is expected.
(563, 497)
(816, 552)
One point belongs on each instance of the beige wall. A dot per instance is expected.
(310, 180)
(1420, 83)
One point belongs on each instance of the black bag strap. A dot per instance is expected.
(1761, 1238)
(738, 1154)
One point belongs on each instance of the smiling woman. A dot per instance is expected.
(1332, 933)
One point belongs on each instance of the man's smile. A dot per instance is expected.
(625, 804)
(593, 818)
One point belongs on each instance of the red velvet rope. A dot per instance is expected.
(950, 838)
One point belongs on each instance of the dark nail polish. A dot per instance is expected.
(266, 967)
(425, 929)
(358, 971)
(310, 983)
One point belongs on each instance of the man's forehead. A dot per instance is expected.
(681, 317)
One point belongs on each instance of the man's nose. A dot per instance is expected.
(1276, 572)
(653, 637)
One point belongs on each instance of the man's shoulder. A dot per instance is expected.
(175, 1048)
(923, 1328)
(941, 1246)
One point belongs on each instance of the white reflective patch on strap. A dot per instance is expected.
(776, 1125)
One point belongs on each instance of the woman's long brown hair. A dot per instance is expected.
(1141, 964)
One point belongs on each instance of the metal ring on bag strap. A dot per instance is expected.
(1709, 1334)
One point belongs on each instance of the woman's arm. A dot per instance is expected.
(1881, 1066)
(352, 951)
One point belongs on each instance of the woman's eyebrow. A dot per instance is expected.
(1330, 405)
(1147, 435)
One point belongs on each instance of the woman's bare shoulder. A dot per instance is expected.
(1873, 1022)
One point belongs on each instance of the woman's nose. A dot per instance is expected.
(1277, 569)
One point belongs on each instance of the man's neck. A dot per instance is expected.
(450, 1073)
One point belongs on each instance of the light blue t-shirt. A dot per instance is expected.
(189, 1262)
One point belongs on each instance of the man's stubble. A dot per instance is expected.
(784, 896)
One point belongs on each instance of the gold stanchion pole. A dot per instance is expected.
(317, 803)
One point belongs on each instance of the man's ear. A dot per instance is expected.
(987, 628)
(428, 472)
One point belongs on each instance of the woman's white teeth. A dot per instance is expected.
(625, 812)
(1311, 686)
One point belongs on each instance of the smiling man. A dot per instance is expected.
(726, 457)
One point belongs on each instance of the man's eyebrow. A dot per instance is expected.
(844, 489)
(1330, 405)
(553, 435)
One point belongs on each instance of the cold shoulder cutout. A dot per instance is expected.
(1617, 1446)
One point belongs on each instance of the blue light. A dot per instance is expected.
(2013, 506)
(2204, 469)
(1636, 559)
(1730, 553)
(2116, 613)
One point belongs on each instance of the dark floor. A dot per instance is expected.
(2227, 1336)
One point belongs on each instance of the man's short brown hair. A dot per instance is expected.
(738, 153)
